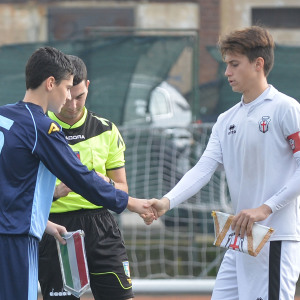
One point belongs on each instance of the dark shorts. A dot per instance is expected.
(105, 251)
(18, 267)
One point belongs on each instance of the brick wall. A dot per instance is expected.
(209, 31)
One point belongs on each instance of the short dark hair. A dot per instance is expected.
(80, 71)
(45, 62)
(254, 42)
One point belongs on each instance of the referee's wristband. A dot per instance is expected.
(111, 182)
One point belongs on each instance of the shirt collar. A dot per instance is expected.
(267, 94)
(66, 125)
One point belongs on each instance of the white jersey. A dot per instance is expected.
(251, 142)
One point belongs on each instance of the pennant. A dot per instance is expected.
(73, 263)
(225, 237)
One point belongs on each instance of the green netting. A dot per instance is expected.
(113, 63)
(284, 76)
(13, 60)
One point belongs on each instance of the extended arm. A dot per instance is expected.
(192, 181)
(189, 185)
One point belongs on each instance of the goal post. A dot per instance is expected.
(172, 286)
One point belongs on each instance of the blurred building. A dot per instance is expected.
(24, 21)
(33, 21)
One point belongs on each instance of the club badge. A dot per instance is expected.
(77, 154)
(264, 124)
(126, 268)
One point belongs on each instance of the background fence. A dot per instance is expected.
(115, 63)
(179, 245)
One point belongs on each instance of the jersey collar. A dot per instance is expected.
(268, 94)
(66, 125)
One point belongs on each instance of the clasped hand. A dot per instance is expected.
(154, 209)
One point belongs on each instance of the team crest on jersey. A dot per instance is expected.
(77, 154)
(53, 128)
(264, 124)
(231, 129)
(126, 268)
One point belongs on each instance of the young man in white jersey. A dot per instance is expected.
(261, 158)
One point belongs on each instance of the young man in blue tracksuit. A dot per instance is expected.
(33, 152)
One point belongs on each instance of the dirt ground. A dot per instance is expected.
(88, 296)
(156, 297)
(162, 297)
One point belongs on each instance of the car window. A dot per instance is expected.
(160, 103)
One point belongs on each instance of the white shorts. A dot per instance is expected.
(271, 275)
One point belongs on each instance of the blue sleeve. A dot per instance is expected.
(59, 158)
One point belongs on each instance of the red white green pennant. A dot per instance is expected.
(73, 263)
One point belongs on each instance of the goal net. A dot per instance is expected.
(179, 246)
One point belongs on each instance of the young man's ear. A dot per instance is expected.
(49, 82)
(259, 64)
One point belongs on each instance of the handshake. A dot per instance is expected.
(149, 210)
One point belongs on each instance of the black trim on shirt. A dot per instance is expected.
(115, 168)
(90, 128)
(274, 269)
